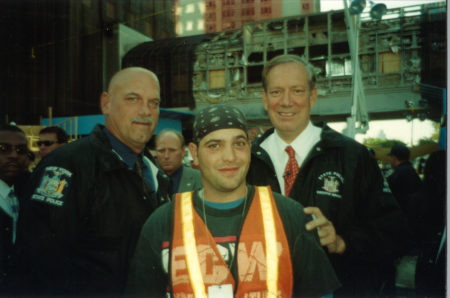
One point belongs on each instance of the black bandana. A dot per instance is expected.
(216, 117)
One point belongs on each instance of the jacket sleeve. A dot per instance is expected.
(380, 228)
(49, 226)
(146, 277)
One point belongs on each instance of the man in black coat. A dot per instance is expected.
(406, 185)
(88, 200)
(14, 163)
(359, 222)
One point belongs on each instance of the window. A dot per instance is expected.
(228, 13)
(248, 11)
(211, 28)
(210, 16)
(266, 10)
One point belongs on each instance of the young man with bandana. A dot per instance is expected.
(229, 238)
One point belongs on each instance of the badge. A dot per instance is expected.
(220, 291)
(331, 184)
(53, 186)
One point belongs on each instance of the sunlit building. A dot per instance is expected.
(207, 16)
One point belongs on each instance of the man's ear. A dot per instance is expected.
(193, 150)
(105, 103)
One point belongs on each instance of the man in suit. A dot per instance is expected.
(14, 163)
(170, 151)
(360, 224)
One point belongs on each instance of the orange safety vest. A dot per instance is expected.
(263, 256)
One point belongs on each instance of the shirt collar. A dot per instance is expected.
(127, 155)
(305, 141)
(302, 144)
(5, 188)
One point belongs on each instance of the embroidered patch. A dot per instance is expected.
(331, 183)
(54, 184)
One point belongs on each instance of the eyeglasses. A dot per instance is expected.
(21, 149)
(45, 143)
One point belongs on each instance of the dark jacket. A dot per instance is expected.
(6, 245)
(341, 178)
(84, 212)
(191, 179)
(6, 235)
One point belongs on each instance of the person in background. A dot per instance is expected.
(170, 151)
(88, 200)
(228, 239)
(14, 163)
(338, 181)
(51, 138)
(406, 186)
(431, 268)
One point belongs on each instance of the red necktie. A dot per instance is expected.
(291, 170)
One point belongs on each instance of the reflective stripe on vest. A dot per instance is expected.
(193, 264)
(271, 242)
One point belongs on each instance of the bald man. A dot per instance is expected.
(89, 200)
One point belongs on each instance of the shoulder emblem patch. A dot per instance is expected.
(331, 183)
(53, 186)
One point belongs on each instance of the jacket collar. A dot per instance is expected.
(109, 159)
(328, 139)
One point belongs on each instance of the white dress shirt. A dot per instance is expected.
(302, 145)
(6, 203)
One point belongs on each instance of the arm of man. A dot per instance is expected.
(314, 275)
(374, 220)
(147, 275)
(49, 226)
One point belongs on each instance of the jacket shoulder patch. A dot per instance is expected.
(53, 186)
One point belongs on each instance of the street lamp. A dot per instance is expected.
(357, 6)
(377, 10)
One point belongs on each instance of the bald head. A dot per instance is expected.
(125, 74)
(131, 106)
(170, 150)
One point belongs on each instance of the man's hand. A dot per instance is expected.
(326, 231)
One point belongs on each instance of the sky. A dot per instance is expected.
(408, 132)
(401, 130)
(339, 4)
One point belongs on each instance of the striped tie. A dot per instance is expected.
(291, 170)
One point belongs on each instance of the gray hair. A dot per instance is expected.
(281, 59)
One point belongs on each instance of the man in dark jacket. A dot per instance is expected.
(89, 199)
(14, 164)
(406, 185)
(359, 221)
(170, 150)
